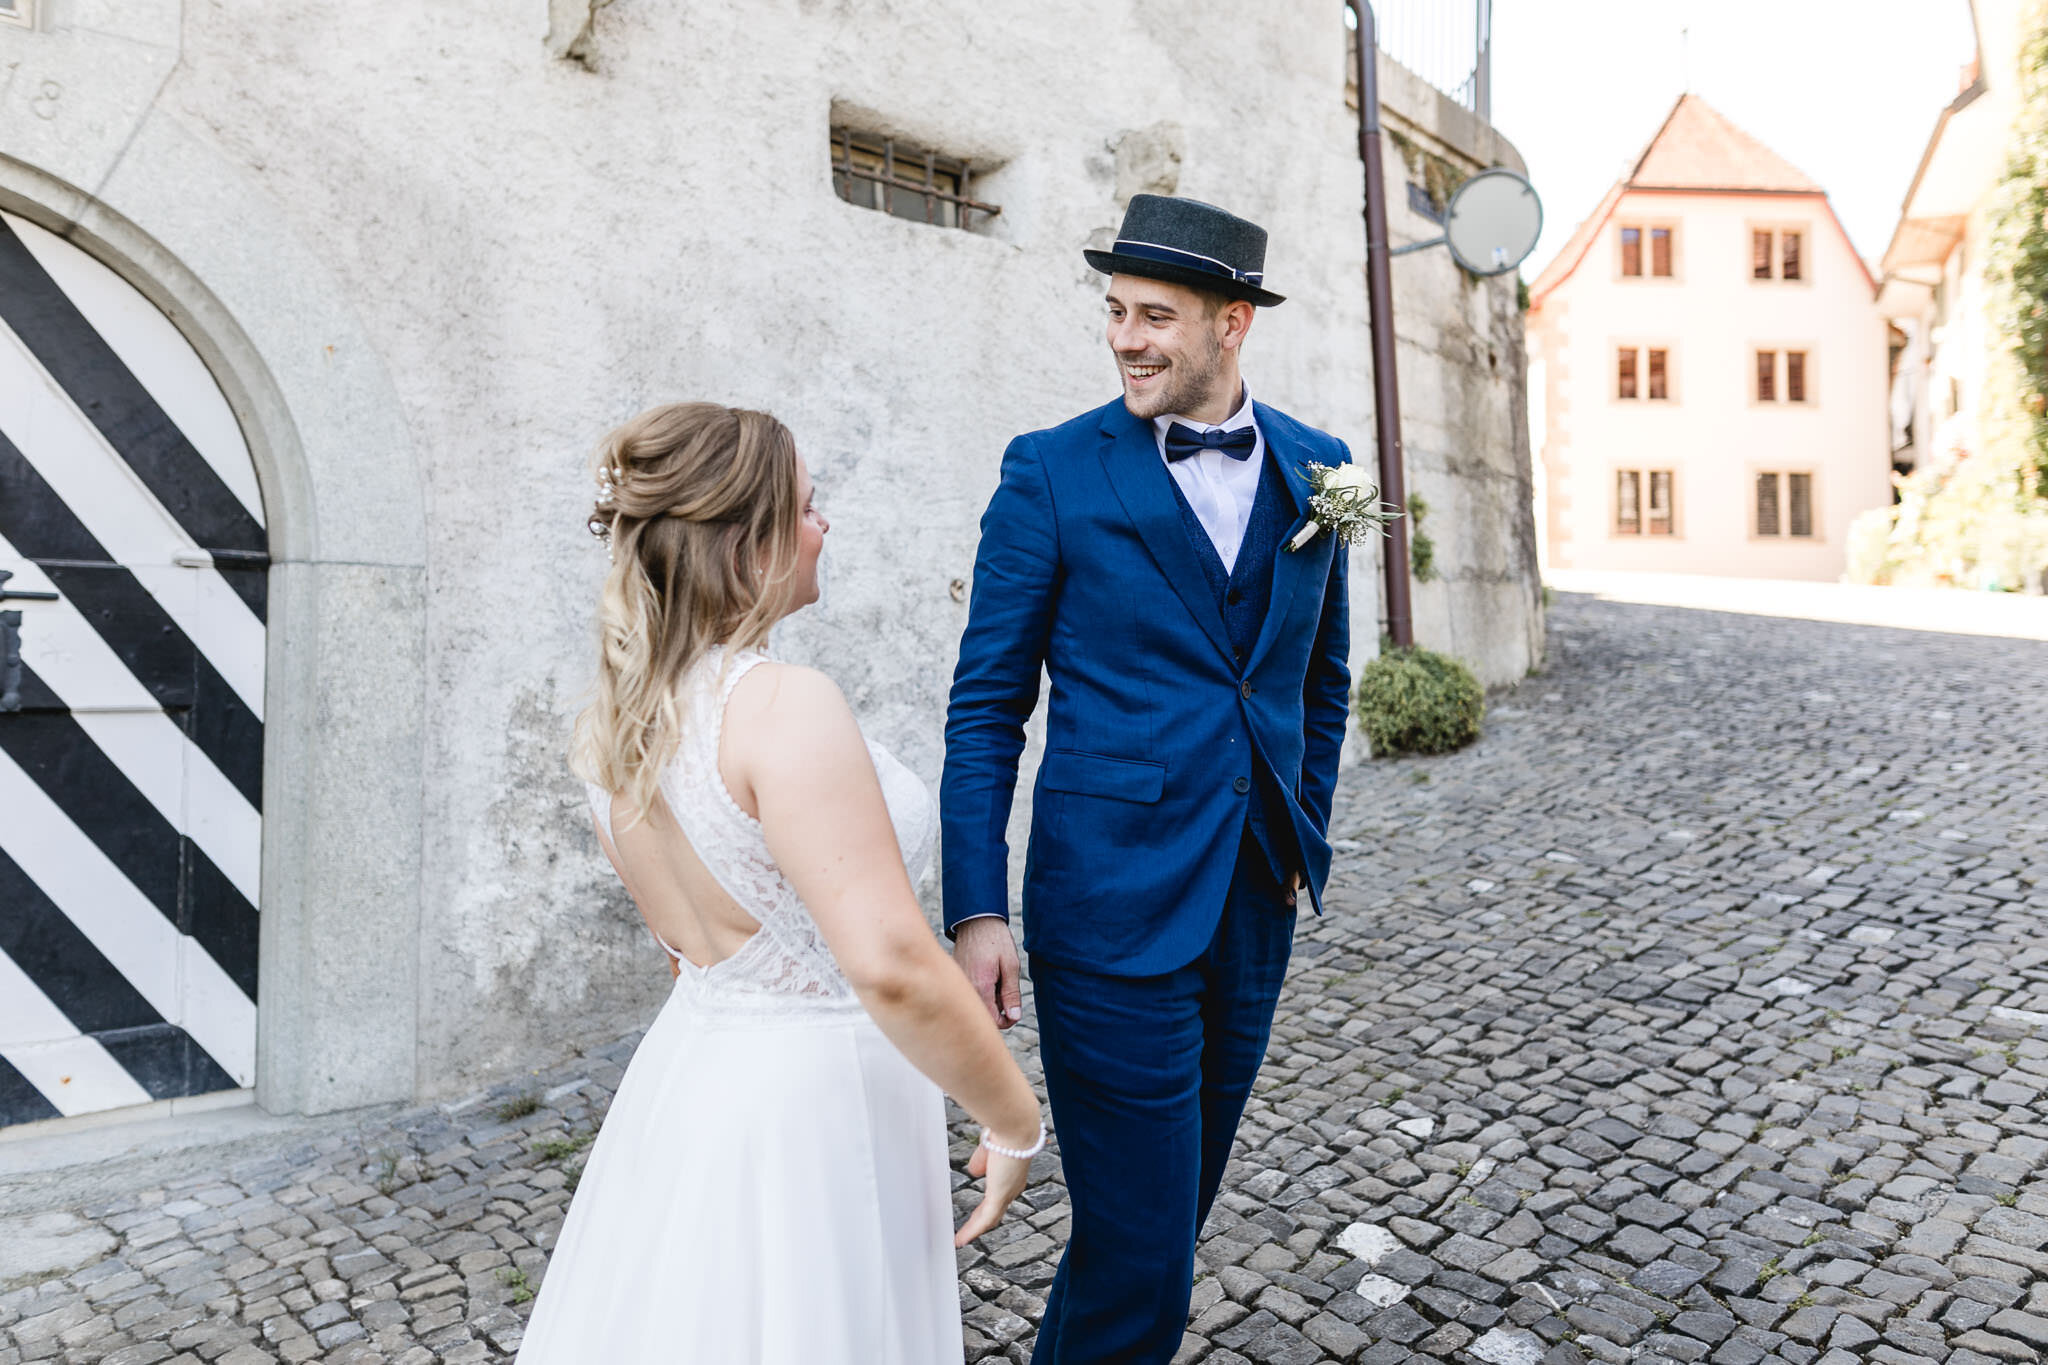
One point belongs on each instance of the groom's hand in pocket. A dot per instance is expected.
(987, 953)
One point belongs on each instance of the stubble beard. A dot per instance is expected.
(1191, 382)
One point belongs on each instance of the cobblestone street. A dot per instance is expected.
(1698, 1013)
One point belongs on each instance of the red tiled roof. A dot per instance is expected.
(1699, 149)
(1696, 149)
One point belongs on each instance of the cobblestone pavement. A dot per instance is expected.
(1698, 1013)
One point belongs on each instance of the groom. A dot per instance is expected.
(1139, 554)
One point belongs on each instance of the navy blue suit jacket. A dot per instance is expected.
(1153, 729)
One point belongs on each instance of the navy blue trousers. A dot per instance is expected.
(1148, 1077)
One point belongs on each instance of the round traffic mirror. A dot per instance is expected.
(1493, 222)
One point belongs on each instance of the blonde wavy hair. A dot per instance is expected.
(698, 505)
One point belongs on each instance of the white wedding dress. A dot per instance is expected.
(771, 1183)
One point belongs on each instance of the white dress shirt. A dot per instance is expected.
(1218, 488)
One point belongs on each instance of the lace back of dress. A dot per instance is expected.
(785, 967)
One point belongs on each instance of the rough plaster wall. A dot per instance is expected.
(539, 248)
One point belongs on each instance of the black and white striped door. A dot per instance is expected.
(131, 740)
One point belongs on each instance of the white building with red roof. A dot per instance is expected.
(1707, 368)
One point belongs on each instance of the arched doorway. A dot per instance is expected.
(131, 702)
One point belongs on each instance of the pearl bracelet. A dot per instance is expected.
(1018, 1153)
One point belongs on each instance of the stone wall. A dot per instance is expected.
(1463, 395)
(435, 251)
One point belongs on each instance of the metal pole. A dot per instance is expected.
(1379, 291)
(1482, 64)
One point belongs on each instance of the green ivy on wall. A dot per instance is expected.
(2016, 263)
(1981, 519)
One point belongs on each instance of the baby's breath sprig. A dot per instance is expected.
(1343, 499)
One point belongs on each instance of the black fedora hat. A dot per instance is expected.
(1186, 241)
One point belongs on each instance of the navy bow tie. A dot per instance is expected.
(1183, 441)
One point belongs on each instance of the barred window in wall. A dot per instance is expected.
(905, 181)
(22, 12)
(1633, 514)
(1784, 505)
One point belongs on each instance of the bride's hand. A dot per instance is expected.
(1006, 1179)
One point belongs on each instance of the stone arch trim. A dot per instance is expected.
(346, 661)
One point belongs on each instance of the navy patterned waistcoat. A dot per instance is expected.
(1242, 595)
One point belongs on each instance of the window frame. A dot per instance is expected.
(1646, 230)
(21, 14)
(1783, 493)
(947, 207)
(1642, 347)
(1776, 229)
(1645, 485)
(1781, 374)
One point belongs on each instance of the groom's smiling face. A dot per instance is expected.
(1175, 347)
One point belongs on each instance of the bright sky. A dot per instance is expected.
(1846, 90)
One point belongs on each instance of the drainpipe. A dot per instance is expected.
(1379, 290)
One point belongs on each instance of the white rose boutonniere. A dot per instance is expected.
(1343, 499)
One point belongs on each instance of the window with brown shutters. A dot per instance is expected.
(1625, 372)
(1659, 521)
(1795, 376)
(1766, 376)
(1633, 516)
(1760, 255)
(1631, 251)
(1799, 504)
(1784, 505)
(1660, 251)
(1657, 383)
(1788, 256)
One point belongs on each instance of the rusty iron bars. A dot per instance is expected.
(943, 184)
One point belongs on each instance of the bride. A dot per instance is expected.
(771, 1182)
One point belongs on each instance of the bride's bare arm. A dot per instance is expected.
(797, 747)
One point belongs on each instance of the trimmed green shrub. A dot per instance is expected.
(1414, 701)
